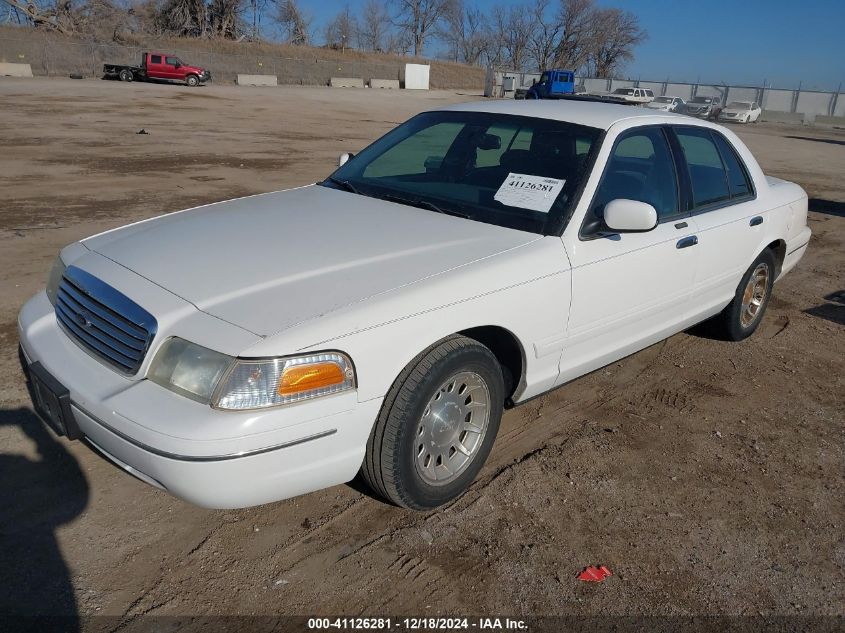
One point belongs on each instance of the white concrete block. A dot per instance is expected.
(346, 82)
(390, 84)
(258, 80)
(15, 70)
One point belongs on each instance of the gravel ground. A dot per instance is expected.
(707, 475)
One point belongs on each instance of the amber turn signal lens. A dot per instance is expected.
(300, 378)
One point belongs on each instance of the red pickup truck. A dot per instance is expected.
(158, 66)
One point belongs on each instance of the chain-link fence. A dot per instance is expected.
(55, 56)
(798, 105)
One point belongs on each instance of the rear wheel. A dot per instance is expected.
(192, 80)
(126, 75)
(437, 425)
(742, 316)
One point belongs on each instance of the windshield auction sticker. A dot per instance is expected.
(529, 192)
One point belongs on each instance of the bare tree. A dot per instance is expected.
(577, 33)
(184, 18)
(341, 30)
(466, 33)
(224, 18)
(544, 37)
(373, 26)
(512, 29)
(295, 25)
(420, 18)
(617, 33)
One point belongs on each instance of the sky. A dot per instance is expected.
(783, 42)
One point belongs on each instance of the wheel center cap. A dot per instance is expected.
(446, 418)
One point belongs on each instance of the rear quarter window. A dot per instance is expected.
(739, 183)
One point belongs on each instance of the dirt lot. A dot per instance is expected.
(707, 475)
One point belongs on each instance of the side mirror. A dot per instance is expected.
(343, 159)
(629, 216)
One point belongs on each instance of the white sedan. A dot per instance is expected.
(666, 104)
(740, 112)
(380, 321)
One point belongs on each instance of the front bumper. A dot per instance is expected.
(167, 440)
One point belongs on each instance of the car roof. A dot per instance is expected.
(589, 113)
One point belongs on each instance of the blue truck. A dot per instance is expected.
(553, 84)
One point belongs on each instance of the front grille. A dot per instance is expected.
(104, 321)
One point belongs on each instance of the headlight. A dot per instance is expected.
(188, 369)
(239, 384)
(55, 279)
(256, 384)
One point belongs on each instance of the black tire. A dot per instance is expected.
(126, 75)
(731, 322)
(390, 467)
(192, 80)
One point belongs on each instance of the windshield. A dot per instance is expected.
(513, 171)
(701, 99)
(544, 78)
(739, 105)
(664, 100)
(623, 91)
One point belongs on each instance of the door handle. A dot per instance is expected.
(756, 221)
(692, 240)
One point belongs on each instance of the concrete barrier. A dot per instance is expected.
(15, 70)
(258, 80)
(782, 117)
(346, 82)
(390, 84)
(831, 121)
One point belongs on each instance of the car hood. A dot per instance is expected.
(734, 111)
(272, 261)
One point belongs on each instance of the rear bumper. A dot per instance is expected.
(167, 440)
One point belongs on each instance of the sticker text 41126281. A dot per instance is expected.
(529, 192)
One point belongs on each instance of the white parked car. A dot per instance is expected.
(740, 112)
(666, 104)
(473, 258)
(633, 95)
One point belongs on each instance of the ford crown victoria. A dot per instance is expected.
(380, 321)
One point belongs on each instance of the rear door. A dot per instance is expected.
(630, 289)
(155, 66)
(730, 224)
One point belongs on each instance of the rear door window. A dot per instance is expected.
(706, 171)
(155, 59)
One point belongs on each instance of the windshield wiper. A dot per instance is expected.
(425, 204)
(344, 184)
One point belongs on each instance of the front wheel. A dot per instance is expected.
(192, 80)
(437, 425)
(742, 315)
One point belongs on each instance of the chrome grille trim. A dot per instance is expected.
(103, 321)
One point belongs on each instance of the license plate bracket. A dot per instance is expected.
(51, 401)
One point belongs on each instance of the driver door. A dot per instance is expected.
(630, 290)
